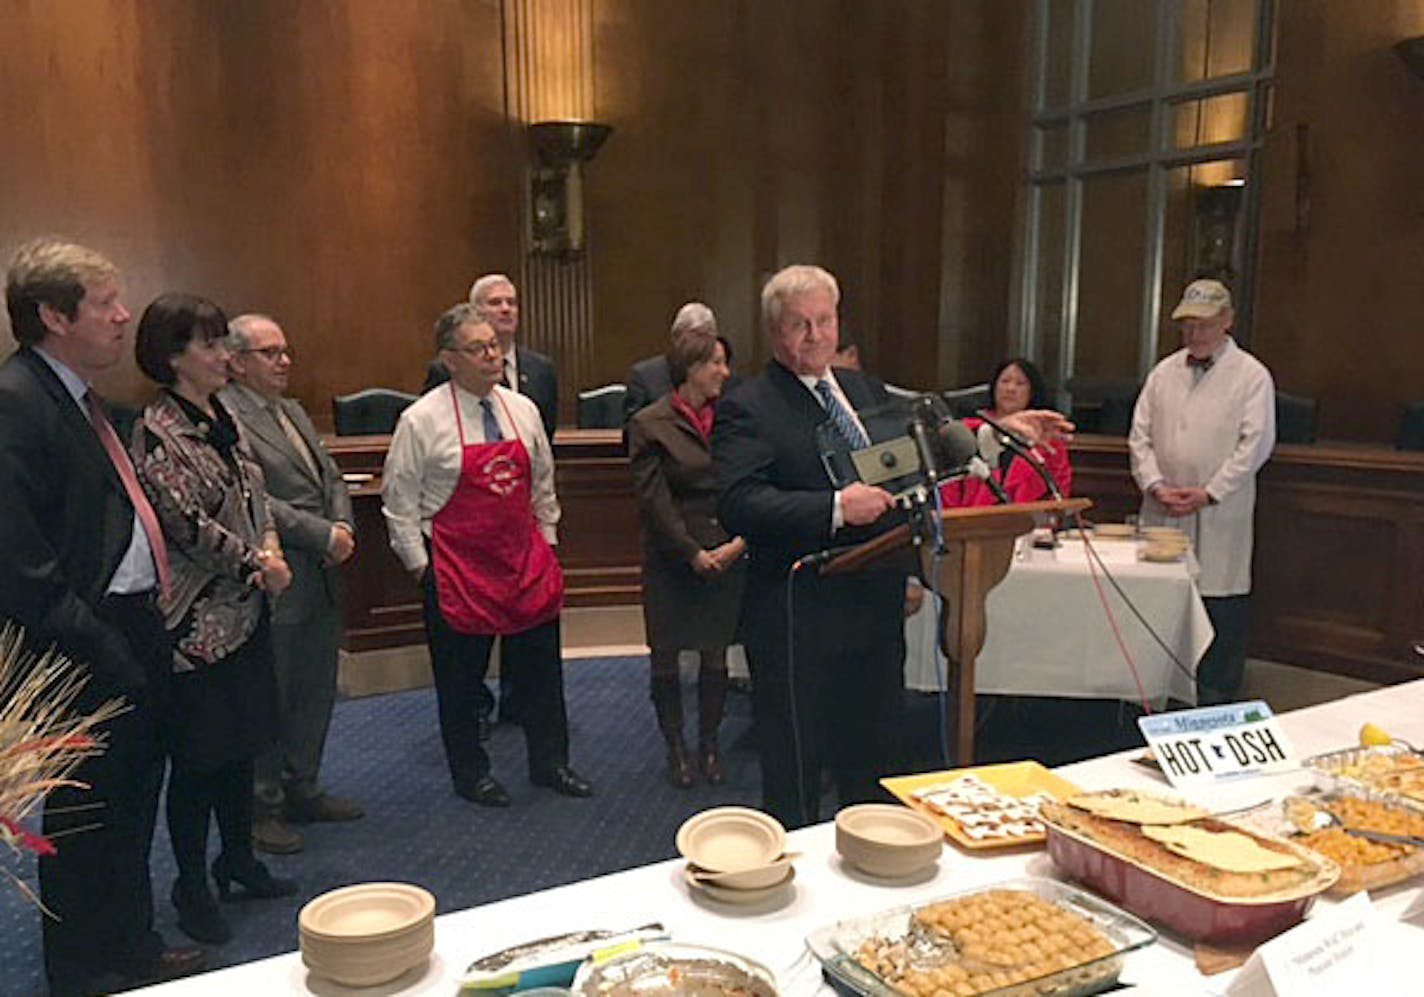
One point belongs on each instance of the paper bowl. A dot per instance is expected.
(1114, 530)
(757, 878)
(1163, 551)
(731, 839)
(887, 840)
(367, 934)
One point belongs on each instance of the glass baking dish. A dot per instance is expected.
(836, 945)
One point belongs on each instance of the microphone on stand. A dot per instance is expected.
(1023, 448)
(978, 469)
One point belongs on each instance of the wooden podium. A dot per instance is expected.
(980, 547)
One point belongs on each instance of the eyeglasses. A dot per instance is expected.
(274, 353)
(479, 348)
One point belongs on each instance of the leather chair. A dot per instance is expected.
(1295, 418)
(902, 394)
(1411, 428)
(371, 412)
(1102, 405)
(602, 408)
(965, 402)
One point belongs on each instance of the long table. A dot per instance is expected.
(824, 890)
(1049, 635)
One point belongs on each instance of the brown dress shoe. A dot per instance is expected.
(275, 837)
(323, 809)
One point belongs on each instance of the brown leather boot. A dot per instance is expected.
(667, 703)
(711, 702)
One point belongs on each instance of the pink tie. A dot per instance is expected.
(120, 459)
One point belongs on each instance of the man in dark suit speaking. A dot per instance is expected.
(525, 371)
(82, 561)
(833, 696)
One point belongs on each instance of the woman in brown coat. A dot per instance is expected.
(692, 571)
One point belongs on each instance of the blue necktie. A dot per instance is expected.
(840, 418)
(492, 433)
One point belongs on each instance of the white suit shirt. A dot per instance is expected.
(1213, 432)
(424, 461)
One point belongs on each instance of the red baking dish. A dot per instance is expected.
(1197, 915)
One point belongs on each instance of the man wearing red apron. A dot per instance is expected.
(468, 497)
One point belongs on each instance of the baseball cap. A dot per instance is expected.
(1203, 299)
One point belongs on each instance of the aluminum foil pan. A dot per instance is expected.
(1332, 769)
(674, 968)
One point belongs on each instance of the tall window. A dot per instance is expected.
(1147, 120)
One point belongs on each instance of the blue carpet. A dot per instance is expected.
(385, 752)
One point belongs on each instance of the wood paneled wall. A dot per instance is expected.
(349, 166)
(343, 166)
(882, 140)
(1341, 296)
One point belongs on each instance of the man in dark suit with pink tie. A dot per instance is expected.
(83, 562)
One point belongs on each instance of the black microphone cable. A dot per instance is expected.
(796, 750)
(1082, 528)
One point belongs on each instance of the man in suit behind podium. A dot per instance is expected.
(312, 508)
(835, 700)
(525, 371)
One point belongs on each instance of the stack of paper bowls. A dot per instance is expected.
(735, 854)
(1164, 543)
(367, 934)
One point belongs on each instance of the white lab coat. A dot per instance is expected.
(1214, 434)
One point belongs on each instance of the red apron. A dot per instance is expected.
(494, 571)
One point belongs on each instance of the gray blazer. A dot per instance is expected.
(305, 508)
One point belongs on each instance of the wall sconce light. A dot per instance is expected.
(556, 183)
(1217, 230)
(1411, 50)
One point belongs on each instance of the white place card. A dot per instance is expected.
(1338, 951)
(1212, 744)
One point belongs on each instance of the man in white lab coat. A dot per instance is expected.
(1204, 424)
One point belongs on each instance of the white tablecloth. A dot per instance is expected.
(1049, 635)
(824, 891)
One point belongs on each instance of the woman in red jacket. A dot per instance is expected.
(1015, 385)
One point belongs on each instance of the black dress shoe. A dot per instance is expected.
(564, 781)
(486, 791)
(256, 879)
(170, 964)
(198, 915)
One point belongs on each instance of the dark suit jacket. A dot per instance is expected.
(538, 379)
(305, 507)
(65, 526)
(775, 489)
(647, 380)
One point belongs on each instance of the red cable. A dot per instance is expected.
(1112, 621)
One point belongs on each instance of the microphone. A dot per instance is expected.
(820, 557)
(1023, 448)
(1005, 431)
(957, 443)
(929, 454)
(978, 469)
